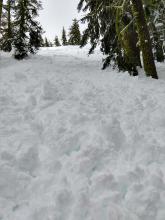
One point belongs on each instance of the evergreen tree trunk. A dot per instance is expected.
(128, 39)
(9, 19)
(1, 6)
(9, 28)
(145, 41)
(21, 50)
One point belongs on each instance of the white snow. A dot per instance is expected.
(79, 143)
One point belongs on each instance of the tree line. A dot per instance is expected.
(131, 33)
(21, 31)
(73, 37)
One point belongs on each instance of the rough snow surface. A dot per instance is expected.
(79, 143)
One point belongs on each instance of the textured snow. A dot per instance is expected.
(79, 143)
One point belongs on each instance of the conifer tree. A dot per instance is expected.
(57, 42)
(155, 10)
(121, 28)
(74, 34)
(28, 30)
(46, 44)
(144, 39)
(104, 27)
(64, 38)
(7, 38)
(21, 38)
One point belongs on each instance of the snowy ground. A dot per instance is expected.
(78, 143)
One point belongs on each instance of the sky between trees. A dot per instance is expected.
(56, 14)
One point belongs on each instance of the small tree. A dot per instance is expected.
(64, 38)
(74, 34)
(46, 44)
(57, 42)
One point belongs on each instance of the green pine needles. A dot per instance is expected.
(124, 29)
(28, 32)
(74, 34)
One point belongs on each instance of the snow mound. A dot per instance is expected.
(79, 143)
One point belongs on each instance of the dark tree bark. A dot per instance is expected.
(144, 38)
(1, 5)
(9, 18)
(8, 36)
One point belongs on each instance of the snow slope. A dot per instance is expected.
(78, 143)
